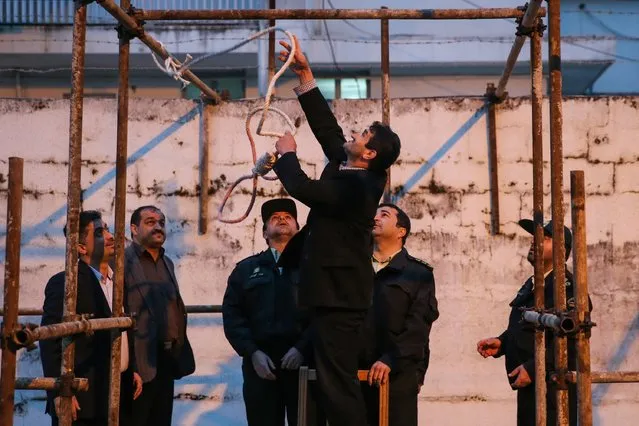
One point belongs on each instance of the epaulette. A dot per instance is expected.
(423, 262)
(246, 259)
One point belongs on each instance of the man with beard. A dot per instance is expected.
(517, 343)
(262, 322)
(92, 352)
(162, 349)
(334, 248)
(398, 324)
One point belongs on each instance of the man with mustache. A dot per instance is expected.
(162, 349)
(92, 352)
(262, 322)
(400, 320)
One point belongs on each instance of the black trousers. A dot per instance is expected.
(526, 405)
(402, 410)
(154, 407)
(266, 401)
(81, 422)
(336, 347)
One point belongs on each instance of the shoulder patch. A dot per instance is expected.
(423, 262)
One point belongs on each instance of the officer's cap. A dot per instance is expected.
(278, 205)
(529, 226)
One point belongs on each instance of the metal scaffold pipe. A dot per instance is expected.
(557, 323)
(247, 14)
(27, 336)
(527, 25)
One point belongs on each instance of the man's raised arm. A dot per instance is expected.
(319, 115)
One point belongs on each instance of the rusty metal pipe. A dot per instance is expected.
(132, 25)
(385, 59)
(73, 198)
(493, 162)
(557, 197)
(271, 44)
(121, 153)
(555, 322)
(206, 117)
(580, 268)
(606, 377)
(11, 289)
(49, 383)
(426, 14)
(27, 336)
(537, 97)
(615, 376)
(527, 23)
(191, 309)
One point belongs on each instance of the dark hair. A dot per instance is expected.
(403, 221)
(86, 217)
(136, 216)
(387, 145)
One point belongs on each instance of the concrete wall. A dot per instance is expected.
(444, 172)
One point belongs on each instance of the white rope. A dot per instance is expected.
(264, 164)
(172, 67)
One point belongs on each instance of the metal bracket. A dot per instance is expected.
(537, 27)
(521, 30)
(66, 384)
(540, 28)
(559, 378)
(586, 325)
(126, 34)
(490, 94)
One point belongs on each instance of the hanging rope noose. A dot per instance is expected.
(265, 163)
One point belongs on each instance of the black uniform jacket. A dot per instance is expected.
(334, 248)
(92, 352)
(404, 309)
(518, 341)
(259, 308)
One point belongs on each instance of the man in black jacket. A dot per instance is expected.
(92, 352)
(399, 323)
(162, 348)
(263, 323)
(335, 246)
(517, 342)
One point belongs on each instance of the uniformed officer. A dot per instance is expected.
(398, 324)
(262, 322)
(517, 342)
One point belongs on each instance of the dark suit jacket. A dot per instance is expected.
(146, 344)
(92, 353)
(334, 248)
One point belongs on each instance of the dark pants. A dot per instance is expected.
(402, 410)
(81, 422)
(526, 406)
(266, 401)
(336, 346)
(154, 407)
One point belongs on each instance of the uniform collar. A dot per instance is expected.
(397, 261)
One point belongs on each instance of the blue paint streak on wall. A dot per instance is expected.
(430, 163)
(614, 364)
(39, 229)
